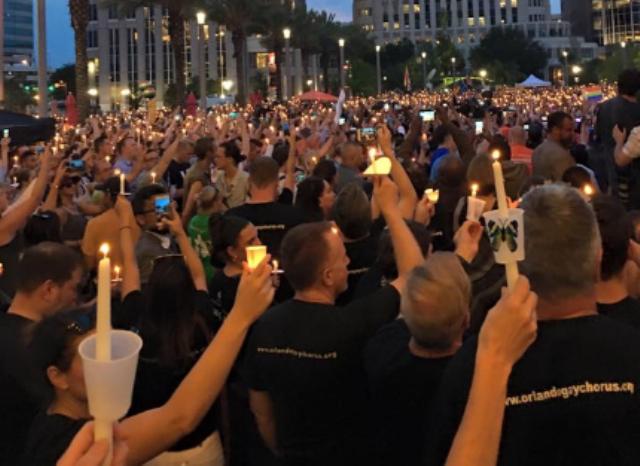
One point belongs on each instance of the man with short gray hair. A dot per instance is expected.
(406, 359)
(573, 397)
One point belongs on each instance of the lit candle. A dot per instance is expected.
(373, 152)
(153, 177)
(15, 180)
(588, 190)
(103, 324)
(138, 132)
(475, 206)
(116, 270)
(503, 209)
(474, 189)
(433, 195)
(255, 254)
(122, 183)
(503, 206)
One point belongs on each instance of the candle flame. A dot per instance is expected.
(373, 152)
(495, 155)
(275, 264)
(116, 269)
(334, 230)
(588, 190)
(104, 249)
(117, 172)
(474, 189)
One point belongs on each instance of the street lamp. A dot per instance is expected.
(201, 18)
(341, 44)
(424, 68)
(93, 92)
(227, 84)
(576, 70)
(483, 75)
(286, 32)
(623, 44)
(378, 70)
(222, 62)
(453, 66)
(565, 73)
(125, 93)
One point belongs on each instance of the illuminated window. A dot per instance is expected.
(396, 25)
(481, 21)
(405, 8)
(471, 21)
(416, 8)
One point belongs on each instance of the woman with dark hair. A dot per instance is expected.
(179, 392)
(230, 235)
(232, 182)
(315, 199)
(326, 169)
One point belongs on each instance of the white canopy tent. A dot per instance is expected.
(533, 81)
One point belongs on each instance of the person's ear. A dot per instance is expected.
(232, 253)
(327, 278)
(48, 291)
(598, 263)
(140, 220)
(57, 378)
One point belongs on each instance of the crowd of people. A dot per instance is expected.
(378, 329)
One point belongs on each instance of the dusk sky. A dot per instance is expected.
(60, 34)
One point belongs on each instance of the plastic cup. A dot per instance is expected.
(475, 207)
(506, 235)
(255, 254)
(109, 384)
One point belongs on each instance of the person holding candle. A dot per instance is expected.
(577, 352)
(309, 401)
(151, 432)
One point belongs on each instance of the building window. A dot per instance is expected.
(93, 12)
(150, 52)
(92, 39)
(114, 55)
(113, 12)
(132, 56)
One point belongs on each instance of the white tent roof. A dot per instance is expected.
(533, 81)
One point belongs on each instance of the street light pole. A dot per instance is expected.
(565, 74)
(287, 60)
(341, 44)
(201, 17)
(42, 60)
(453, 67)
(623, 44)
(222, 62)
(378, 70)
(424, 69)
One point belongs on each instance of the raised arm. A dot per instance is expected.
(408, 197)
(190, 201)
(51, 201)
(163, 164)
(17, 217)
(194, 264)
(290, 167)
(152, 432)
(508, 331)
(406, 250)
(130, 270)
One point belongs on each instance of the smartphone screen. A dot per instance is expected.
(233, 115)
(76, 164)
(526, 127)
(342, 121)
(162, 204)
(428, 115)
(479, 127)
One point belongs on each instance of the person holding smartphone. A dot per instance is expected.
(151, 205)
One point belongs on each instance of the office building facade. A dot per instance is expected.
(467, 21)
(18, 30)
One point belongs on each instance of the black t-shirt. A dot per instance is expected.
(626, 311)
(155, 382)
(176, 173)
(572, 399)
(402, 388)
(22, 389)
(308, 357)
(272, 219)
(49, 438)
(224, 289)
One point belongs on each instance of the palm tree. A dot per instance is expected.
(272, 18)
(238, 16)
(79, 10)
(179, 12)
(326, 34)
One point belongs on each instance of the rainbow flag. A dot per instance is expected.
(592, 94)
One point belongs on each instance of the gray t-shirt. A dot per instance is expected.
(550, 160)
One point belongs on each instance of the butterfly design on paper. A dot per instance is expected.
(503, 231)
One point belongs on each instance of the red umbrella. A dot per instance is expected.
(318, 96)
(72, 110)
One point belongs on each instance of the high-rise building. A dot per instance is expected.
(467, 21)
(18, 30)
(613, 21)
(579, 13)
(126, 51)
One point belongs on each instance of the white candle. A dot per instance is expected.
(433, 195)
(511, 268)
(108, 159)
(122, 183)
(503, 206)
(153, 177)
(372, 156)
(103, 324)
(474, 189)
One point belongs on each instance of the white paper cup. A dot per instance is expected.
(506, 236)
(475, 207)
(255, 254)
(109, 384)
